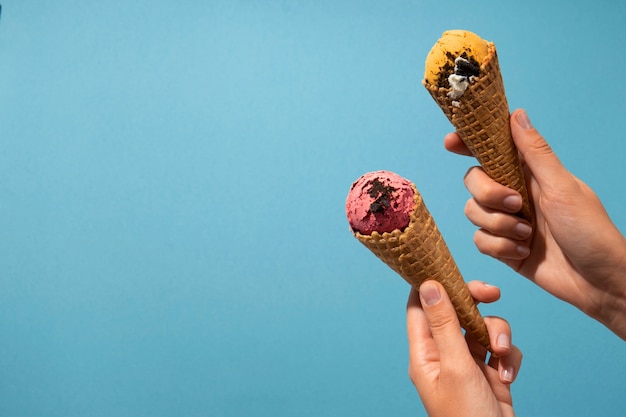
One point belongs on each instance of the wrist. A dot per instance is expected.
(615, 319)
(613, 313)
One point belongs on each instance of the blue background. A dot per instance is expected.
(172, 187)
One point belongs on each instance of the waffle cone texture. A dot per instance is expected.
(419, 253)
(481, 118)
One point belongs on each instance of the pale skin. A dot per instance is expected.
(447, 368)
(575, 253)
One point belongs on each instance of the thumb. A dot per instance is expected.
(443, 323)
(538, 155)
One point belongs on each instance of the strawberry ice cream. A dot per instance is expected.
(380, 201)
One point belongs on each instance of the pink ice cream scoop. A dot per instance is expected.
(380, 201)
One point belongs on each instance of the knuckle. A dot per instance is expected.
(483, 191)
(500, 223)
(539, 145)
(469, 174)
(493, 246)
(440, 321)
(469, 208)
(497, 323)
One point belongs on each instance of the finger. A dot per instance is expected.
(499, 335)
(499, 339)
(417, 326)
(496, 222)
(483, 292)
(499, 247)
(509, 365)
(453, 143)
(491, 194)
(537, 154)
(507, 357)
(444, 326)
(422, 347)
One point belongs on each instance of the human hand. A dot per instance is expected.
(448, 369)
(575, 253)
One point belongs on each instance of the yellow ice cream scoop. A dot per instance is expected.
(453, 44)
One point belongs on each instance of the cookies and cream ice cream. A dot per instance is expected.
(457, 52)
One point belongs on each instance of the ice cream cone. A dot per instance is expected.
(481, 118)
(419, 253)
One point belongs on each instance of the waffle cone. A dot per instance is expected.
(419, 253)
(481, 118)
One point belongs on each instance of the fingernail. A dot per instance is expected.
(523, 120)
(523, 251)
(523, 230)
(429, 293)
(507, 373)
(512, 202)
(504, 341)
